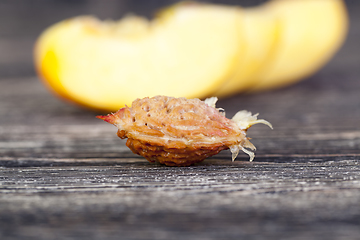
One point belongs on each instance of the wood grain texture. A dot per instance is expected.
(133, 199)
(66, 175)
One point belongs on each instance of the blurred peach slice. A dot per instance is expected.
(260, 31)
(105, 65)
(311, 33)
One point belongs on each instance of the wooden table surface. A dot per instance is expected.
(65, 175)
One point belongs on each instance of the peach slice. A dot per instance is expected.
(311, 33)
(260, 31)
(105, 65)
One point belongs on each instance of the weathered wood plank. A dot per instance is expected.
(65, 174)
(217, 199)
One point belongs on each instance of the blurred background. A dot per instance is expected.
(21, 22)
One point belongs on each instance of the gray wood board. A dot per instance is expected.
(66, 175)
